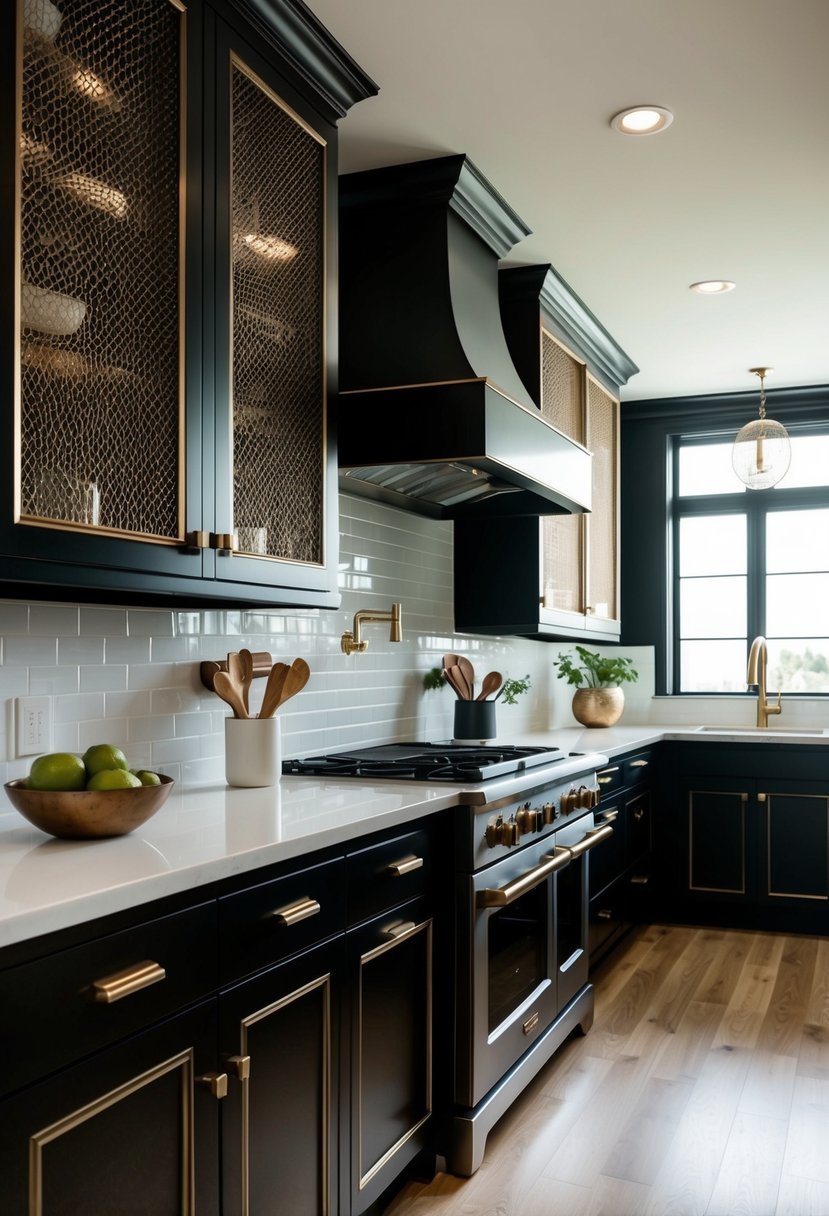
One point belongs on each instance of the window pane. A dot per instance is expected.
(796, 605)
(713, 666)
(799, 665)
(706, 469)
(712, 607)
(712, 544)
(810, 462)
(797, 540)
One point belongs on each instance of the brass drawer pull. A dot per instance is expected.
(240, 1066)
(291, 914)
(398, 868)
(639, 764)
(215, 1082)
(124, 983)
(640, 880)
(401, 930)
(531, 1023)
(604, 914)
(639, 814)
(607, 817)
(603, 779)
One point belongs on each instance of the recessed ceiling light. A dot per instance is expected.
(642, 120)
(713, 287)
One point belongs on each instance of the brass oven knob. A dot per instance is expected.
(528, 820)
(549, 812)
(502, 831)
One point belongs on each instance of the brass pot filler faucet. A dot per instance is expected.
(351, 641)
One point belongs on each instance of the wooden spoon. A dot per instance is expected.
(273, 689)
(235, 670)
(455, 678)
(294, 681)
(450, 660)
(468, 673)
(230, 692)
(246, 669)
(491, 682)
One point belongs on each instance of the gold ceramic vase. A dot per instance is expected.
(598, 706)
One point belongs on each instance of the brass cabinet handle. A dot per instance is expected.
(399, 868)
(240, 1066)
(639, 814)
(215, 1082)
(500, 897)
(762, 797)
(531, 1023)
(590, 839)
(291, 914)
(604, 914)
(402, 929)
(124, 983)
(639, 763)
(639, 880)
(603, 779)
(608, 817)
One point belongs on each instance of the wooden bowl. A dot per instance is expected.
(88, 814)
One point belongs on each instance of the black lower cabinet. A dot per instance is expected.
(265, 1052)
(390, 1049)
(131, 1130)
(620, 871)
(279, 1040)
(744, 837)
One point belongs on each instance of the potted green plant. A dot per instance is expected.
(599, 698)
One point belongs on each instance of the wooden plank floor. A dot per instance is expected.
(701, 1090)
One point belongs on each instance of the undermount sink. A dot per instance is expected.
(758, 730)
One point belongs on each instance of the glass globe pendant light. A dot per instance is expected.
(762, 451)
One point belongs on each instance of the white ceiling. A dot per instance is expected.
(736, 188)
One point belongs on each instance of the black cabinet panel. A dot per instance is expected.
(798, 845)
(384, 875)
(717, 844)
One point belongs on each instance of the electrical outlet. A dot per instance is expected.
(34, 725)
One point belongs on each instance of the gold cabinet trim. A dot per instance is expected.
(37, 1142)
(323, 982)
(392, 944)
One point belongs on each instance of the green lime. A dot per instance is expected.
(103, 755)
(113, 779)
(146, 776)
(57, 771)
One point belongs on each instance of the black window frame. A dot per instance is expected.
(650, 431)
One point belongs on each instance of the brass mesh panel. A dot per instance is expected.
(99, 352)
(278, 208)
(561, 389)
(601, 524)
(562, 561)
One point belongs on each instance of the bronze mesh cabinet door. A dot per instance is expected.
(100, 145)
(603, 523)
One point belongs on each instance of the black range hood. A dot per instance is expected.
(432, 414)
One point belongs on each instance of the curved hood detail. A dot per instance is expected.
(432, 413)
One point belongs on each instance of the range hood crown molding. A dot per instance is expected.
(571, 318)
(449, 180)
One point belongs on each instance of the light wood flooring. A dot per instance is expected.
(702, 1089)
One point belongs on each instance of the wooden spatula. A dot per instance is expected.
(273, 689)
(295, 680)
(230, 692)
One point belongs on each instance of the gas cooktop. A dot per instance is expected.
(425, 761)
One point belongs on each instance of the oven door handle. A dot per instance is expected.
(500, 897)
(590, 839)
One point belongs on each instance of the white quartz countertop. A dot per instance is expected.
(206, 833)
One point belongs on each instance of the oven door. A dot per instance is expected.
(522, 953)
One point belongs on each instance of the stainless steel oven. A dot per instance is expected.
(527, 822)
(521, 948)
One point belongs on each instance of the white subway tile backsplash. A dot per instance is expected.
(131, 676)
(80, 650)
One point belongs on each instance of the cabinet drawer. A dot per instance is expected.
(387, 874)
(264, 924)
(62, 1007)
(637, 769)
(638, 826)
(606, 916)
(607, 862)
(610, 778)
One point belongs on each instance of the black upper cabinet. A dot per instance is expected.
(169, 321)
(555, 576)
